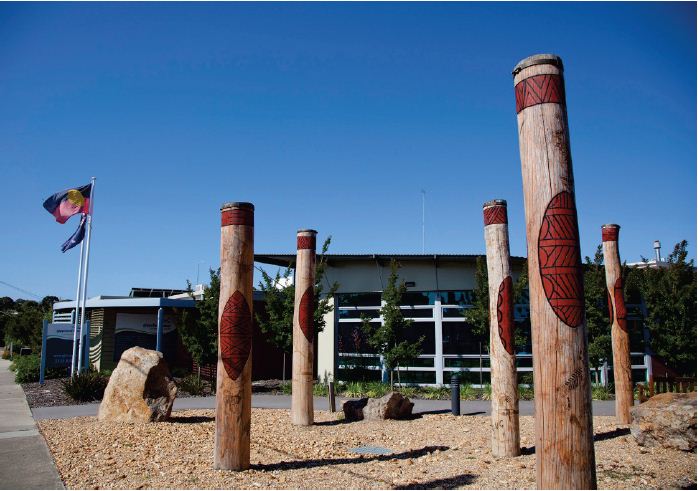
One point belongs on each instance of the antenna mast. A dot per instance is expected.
(423, 199)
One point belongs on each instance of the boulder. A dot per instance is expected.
(667, 420)
(393, 405)
(354, 410)
(140, 389)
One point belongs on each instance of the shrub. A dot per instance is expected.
(467, 392)
(26, 368)
(486, 393)
(321, 390)
(192, 384)
(601, 393)
(525, 393)
(86, 386)
(6, 353)
(285, 388)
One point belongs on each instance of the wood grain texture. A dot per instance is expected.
(234, 395)
(303, 331)
(505, 390)
(563, 424)
(620, 338)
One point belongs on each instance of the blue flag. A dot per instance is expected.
(77, 237)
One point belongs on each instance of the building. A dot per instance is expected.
(121, 322)
(439, 289)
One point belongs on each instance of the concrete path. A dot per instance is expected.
(25, 461)
(469, 408)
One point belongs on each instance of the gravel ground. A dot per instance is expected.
(434, 451)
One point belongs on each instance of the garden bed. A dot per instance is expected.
(434, 451)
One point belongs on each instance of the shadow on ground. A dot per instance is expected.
(304, 464)
(191, 419)
(599, 437)
(445, 483)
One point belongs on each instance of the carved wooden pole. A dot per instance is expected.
(620, 338)
(234, 379)
(303, 331)
(563, 422)
(505, 387)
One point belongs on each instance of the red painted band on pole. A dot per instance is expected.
(237, 216)
(306, 242)
(495, 214)
(560, 261)
(539, 89)
(235, 334)
(505, 314)
(609, 234)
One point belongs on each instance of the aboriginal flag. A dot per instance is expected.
(65, 204)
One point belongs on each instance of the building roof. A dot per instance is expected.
(109, 301)
(290, 259)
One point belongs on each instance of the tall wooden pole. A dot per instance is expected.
(505, 388)
(234, 379)
(562, 388)
(620, 338)
(303, 330)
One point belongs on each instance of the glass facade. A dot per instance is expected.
(449, 343)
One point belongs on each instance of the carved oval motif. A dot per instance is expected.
(621, 312)
(505, 314)
(306, 309)
(235, 336)
(559, 260)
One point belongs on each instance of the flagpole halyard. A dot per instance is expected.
(86, 271)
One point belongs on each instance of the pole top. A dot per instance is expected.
(541, 59)
(495, 202)
(242, 205)
(307, 231)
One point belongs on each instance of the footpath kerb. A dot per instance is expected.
(25, 461)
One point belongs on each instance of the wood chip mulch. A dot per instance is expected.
(434, 451)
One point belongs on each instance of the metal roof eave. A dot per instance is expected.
(128, 302)
(284, 260)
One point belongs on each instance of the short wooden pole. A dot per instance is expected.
(331, 397)
(303, 330)
(505, 388)
(620, 338)
(234, 377)
(562, 388)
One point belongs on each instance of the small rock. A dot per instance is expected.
(393, 405)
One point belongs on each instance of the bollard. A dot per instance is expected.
(455, 394)
(330, 395)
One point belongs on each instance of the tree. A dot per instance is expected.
(23, 321)
(388, 338)
(596, 310)
(199, 330)
(669, 294)
(279, 298)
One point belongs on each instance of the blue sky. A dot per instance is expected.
(327, 116)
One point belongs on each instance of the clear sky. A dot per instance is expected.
(327, 116)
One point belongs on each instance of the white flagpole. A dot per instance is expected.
(76, 316)
(85, 272)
